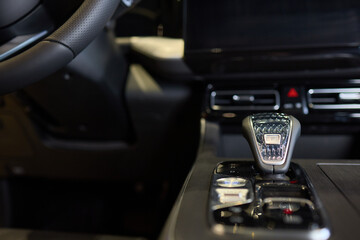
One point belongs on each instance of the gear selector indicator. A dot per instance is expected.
(272, 139)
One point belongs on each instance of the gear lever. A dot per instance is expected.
(272, 138)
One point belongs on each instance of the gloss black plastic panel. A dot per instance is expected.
(243, 201)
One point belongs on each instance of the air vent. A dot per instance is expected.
(334, 98)
(261, 100)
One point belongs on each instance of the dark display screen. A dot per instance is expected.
(271, 24)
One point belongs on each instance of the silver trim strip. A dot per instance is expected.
(333, 90)
(338, 164)
(215, 107)
(334, 106)
(292, 200)
(7, 49)
(355, 115)
(350, 96)
(329, 106)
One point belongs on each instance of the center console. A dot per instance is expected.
(243, 202)
(267, 198)
(229, 198)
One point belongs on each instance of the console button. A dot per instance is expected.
(292, 94)
(231, 182)
(293, 99)
(233, 195)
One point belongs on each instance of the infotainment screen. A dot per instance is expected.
(270, 24)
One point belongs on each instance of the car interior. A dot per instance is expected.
(179, 119)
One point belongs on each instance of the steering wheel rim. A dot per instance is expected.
(59, 48)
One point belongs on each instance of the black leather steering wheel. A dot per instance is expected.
(58, 49)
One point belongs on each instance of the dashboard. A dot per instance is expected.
(297, 57)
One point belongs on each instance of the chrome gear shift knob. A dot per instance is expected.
(272, 138)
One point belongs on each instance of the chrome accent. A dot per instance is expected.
(231, 182)
(333, 90)
(346, 94)
(18, 43)
(355, 115)
(229, 197)
(350, 96)
(270, 200)
(244, 95)
(128, 3)
(272, 139)
(335, 106)
(239, 98)
(356, 81)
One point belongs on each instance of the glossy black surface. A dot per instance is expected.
(280, 202)
(262, 36)
(263, 24)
